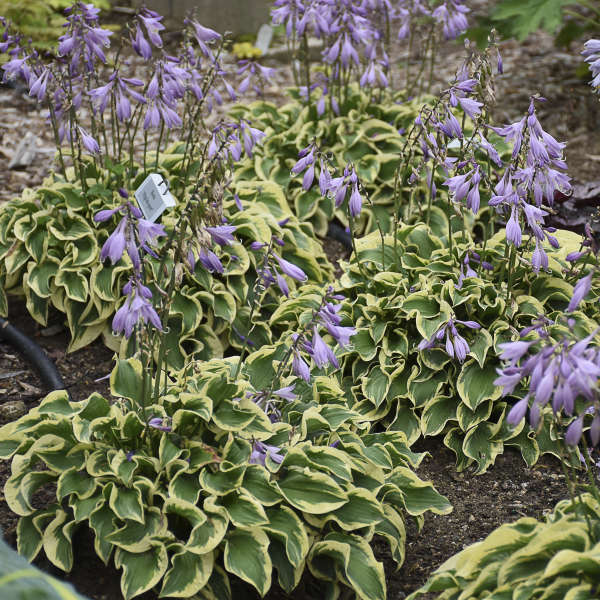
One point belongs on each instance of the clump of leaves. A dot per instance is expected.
(366, 133)
(50, 252)
(556, 558)
(200, 487)
(395, 382)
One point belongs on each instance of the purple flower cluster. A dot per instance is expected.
(228, 141)
(467, 271)
(437, 131)
(466, 186)
(147, 33)
(553, 372)
(134, 236)
(456, 346)
(174, 89)
(209, 236)
(255, 76)
(355, 35)
(334, 187)
(451, 15)
(260, 451)
(534, 175)
(274, 267)
(160, 424)
(591, 55)
(326, 316)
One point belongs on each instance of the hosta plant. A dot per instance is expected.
(366, 133)
(401, 374)
(203, 486)
(50, 251)
(555, 559)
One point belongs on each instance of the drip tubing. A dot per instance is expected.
(33, 354)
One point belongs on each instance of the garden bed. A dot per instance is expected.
(487, 481)
(509, 490)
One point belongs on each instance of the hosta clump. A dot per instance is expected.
(365, 133)
(425, 354)
(556, 558)
(50, 252)
(203, 486)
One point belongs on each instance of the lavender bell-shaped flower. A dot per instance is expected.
(290, 269)
(300, 367)
(580, 291)
(222, 234)
(89, 143)
(136, 307)
(260, 451)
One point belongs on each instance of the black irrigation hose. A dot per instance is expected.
(33, 354)
(339, 233)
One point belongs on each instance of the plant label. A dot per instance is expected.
(264, 37)
(154, 197)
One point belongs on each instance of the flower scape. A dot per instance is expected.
(263, 411)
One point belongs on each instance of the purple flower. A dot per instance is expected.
(152, 23)
(135, 308)
(513, 230)
(304, 161)
(355, 202)
(114, 246)
(514, 351)
(308, 178)
(518, 411)
(574, 432)
(300, 367)
(471, 107)
(38, 87)
(260, 451)
(222, 234)
(89, 143)
(140, 44)
(287, 393)
(290, 269)
(283, 286)
(320, 350)
(158, 423)
(148, 232)
(455, 345)
(204, 34)
(211, 261)
(104, 215)
(591, 55)
(580, 291)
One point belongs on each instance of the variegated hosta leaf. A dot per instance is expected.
(141, 570)
(246, 555)
(19, 579)
(555, 558)
(353, 557)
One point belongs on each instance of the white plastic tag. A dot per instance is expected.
(264, 37)
(153, 196)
